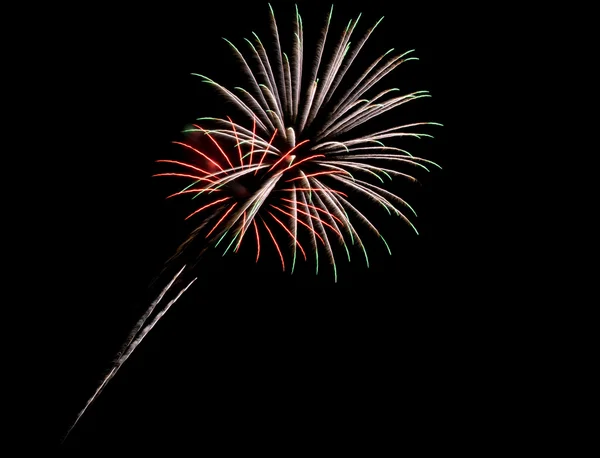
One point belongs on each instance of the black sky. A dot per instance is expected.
(250, 353)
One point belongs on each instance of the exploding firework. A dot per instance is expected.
(296, 172)
(298, 163)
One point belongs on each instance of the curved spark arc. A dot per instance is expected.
(294, 223)
(297, 62)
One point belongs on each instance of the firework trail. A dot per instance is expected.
(133, 340)
(294, 174)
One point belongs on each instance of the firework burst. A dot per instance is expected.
(296, 171)
(298, 164)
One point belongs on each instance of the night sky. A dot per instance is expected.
(251, 353)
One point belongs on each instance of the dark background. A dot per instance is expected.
(251, 353)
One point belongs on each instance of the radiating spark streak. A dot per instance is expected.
(236, 140)
(259, 150)
(252, 142)
(231, 242)
(215, 185)
(366, 82)
(242, 233)
(221, 220)
(297, 59)
(339, 165)
(243, 132)
(353, 92)
(355, 234)
(386, 244)
(257, 240)
(308, 226)
(291, 166)
(326, 172)
(279, 62)
(316, 208)
(351, 57)
(272, 86)
(364, 109)
(231, 96)
(406, 154)
(370, 112)
(200, 153)
(313, 238)
(382, 194)
(371, 169)
(315, 70)
(133, 340)
(414, 124)
(290, 233)
(330, 72)
(265, 153)
(366, 168)
(236, 172)
(287, 154)
(393, 132)
(248, 72)
(183, 164)
(312, 207)
(386, 193)
(316, 190)
(207, 206)
(256, 201)
(266, 113)
(264, 72)
(348, 144)
(221, 239)
(294, 208)
(189, 191)
(274, 114)
(369, 193)
(275, 243)
(312, 90)
(333, 224)
(216, 144)
(288, 86)
(328, 249)
(404, 159)
(362, 217)
(337, 208)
